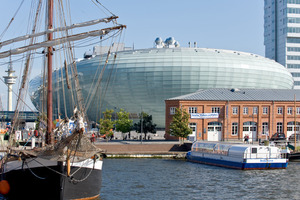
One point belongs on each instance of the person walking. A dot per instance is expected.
(93, 138)
(246, 138)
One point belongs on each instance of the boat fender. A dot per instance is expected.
(4, 187)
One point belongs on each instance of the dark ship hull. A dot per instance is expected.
(38, 178)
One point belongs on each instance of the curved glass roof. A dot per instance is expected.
(140, 80)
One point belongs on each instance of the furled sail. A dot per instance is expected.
(58, 41)
(88, 23)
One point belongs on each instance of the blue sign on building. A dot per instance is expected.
(204, 115)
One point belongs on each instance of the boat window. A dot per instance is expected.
(203, 147)
(214, 148)
(254, 150)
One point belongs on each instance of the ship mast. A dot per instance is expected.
(49, 135)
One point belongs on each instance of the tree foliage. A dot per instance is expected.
(179, 127)
(106, 123)
(123, 124)
(147, 124)
(41, 122)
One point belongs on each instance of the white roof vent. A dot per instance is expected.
(235, 90)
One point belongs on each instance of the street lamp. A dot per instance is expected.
(142, 128)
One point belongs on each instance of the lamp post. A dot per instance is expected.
(115, 121)
(142, 127)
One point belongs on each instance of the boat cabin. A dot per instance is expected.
(241, 151)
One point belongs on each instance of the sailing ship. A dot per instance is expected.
(69, 166)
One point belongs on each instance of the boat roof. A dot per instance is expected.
(240, 144)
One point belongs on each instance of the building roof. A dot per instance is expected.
(222, 94)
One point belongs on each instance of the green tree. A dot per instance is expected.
(179, 127)
(147, 124)
(41, 122)
(106, 124)
(123, 124)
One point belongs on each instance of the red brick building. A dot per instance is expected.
(230, 114)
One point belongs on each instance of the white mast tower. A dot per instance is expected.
(10, 79)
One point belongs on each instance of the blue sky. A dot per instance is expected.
(221, 24)
(224, 24)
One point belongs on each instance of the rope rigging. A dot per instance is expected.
(12, 19)
(65, 58)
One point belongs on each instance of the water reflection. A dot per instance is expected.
(175, 179)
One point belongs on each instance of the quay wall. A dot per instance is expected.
(144, 150)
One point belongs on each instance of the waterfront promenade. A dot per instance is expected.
(148, 148)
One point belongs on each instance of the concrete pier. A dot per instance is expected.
(145, 149)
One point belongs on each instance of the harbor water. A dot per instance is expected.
(127, 179)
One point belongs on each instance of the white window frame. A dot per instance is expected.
(215, 110)
(192, 109)
(255, 111)
(245, 110)
(279, 127)
(172, 110)
(290, 110)
(279, 110)
(234, 128)
(235, 110)
(298, 110)
(265, 110)
(265, 128)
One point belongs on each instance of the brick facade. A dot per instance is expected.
(267, 123)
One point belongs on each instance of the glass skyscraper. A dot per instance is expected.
(282, 34)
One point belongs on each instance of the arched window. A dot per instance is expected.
(214, 126)
(249, 123)
(290, 126)
(214, 123)
(249, 126)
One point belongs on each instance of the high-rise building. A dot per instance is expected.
(282, 34)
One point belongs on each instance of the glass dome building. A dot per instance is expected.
(140, 80)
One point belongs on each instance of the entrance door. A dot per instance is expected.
(291, 128)
(193, 137)
(250, 129)
(214, 131)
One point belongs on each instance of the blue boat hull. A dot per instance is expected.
(236, 165)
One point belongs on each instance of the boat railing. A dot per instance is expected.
(244, 156)
(212, 151)
(262, 156)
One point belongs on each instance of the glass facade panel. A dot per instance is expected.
(293, 1)
(145, 78)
